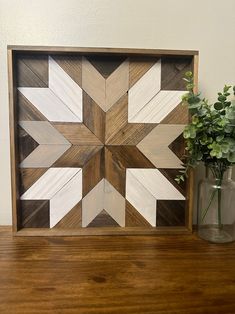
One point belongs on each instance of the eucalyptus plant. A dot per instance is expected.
(210, 135)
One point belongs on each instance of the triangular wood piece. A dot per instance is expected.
(171, 174)
(170, 213)
(178, 146)
(72, 65)
(28, 176)
(106, 66)
(34, 214)
(73, 219)
(77, 156)
(32, 70)
(26, 111)
(103, 220)
(179, 115)
(138, 67)
(26, 143)
(134, 218)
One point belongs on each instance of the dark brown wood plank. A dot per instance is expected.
(34, 214)
(26, 143)
(172, 72)
(144, 275)
(170, 213)
(103, 219)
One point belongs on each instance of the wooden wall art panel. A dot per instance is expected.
(96, 140)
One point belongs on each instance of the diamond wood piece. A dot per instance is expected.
(77, 156)
(93, 117)
(93, 172)
(77, 134)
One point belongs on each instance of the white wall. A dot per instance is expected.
(204, 25)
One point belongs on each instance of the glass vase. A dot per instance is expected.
(216, 206)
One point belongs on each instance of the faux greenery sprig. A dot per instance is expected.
(210, 136)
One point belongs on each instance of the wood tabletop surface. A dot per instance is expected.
(115, 275)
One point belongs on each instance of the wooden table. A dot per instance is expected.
(115, 274)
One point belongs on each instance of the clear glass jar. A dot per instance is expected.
(216, 206)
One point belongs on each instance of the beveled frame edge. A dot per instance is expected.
(11, 51)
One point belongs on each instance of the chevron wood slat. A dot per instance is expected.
(155, 146)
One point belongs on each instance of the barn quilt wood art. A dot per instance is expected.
(96, 140)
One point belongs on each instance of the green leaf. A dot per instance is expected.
(222, 98)
(188, 74)
(218, 106)
(231, 157)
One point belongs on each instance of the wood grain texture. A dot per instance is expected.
(72, 65)
(72, 220)
(34, 214)
(173, 70)
(134, 218)
(77, 156)
(179, 115)
(116, 275)
(103, 219)
(26, 111)
(32, 70)
(77, 134)
(93, 172)
(28, 176)
(26, 144)
(155, 146)
(170, 213)
(93, 117)
(138, 67)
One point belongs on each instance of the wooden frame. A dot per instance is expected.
(13, 51)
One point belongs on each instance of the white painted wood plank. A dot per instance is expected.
(44, 156)
(157, 184)
(158, 107)
(140, 198)
(114, 203)
(144, 90)
(49, 104)
(49, 183)
(43, 132)
(66, 198)
(65, 88)
(93, 203)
